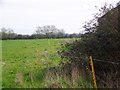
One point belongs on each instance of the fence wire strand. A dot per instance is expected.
(106, 61)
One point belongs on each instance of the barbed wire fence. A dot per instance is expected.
(106, 77)
(106, 61)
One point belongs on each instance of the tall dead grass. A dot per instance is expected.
(19, 80)
(68, 76)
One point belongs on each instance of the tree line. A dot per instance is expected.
(44, 32)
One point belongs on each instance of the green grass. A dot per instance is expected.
(19, 56)
(18, 63)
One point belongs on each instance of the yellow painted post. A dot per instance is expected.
(93, 72)
(36, 56)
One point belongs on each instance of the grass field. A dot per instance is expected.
(18, 61)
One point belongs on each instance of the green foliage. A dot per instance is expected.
(102, 41)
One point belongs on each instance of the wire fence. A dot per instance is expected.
(107, 74)
(105, 61)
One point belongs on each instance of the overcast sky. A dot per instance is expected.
(23, 16)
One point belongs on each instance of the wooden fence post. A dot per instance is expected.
(93, 72)
(36, 56)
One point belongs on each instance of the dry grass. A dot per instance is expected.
(108, 80)
(67, 76)
(19, 80)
